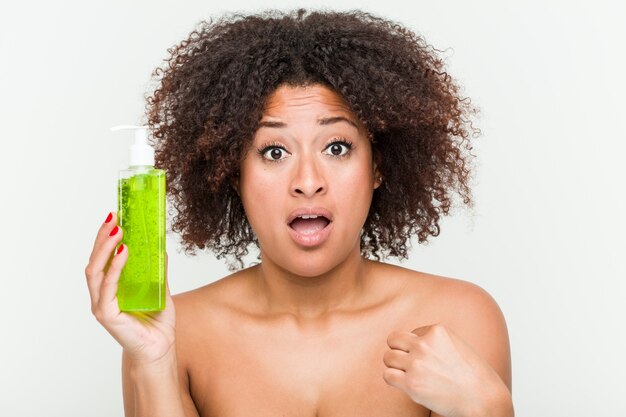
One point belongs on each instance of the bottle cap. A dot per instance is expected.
(140, 153)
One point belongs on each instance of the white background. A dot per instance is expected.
(546, 238)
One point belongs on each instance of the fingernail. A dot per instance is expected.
(120, 249)
(109, 217)
(114, 231)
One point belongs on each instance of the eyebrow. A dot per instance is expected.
(324, 121)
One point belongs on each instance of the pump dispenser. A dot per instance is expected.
(141, 216)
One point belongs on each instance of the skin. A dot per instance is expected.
(315, 331)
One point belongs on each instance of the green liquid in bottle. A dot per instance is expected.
(141, 214)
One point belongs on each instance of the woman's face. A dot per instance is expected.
(309, 157)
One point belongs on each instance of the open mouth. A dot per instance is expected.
(309, 224)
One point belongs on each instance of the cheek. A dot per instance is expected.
(359, 179)
(355, 189)
(259, 190)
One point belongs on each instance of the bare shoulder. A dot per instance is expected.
(447, 298)
(460, 299)
(464, 308)
(438, 293)
(204, 315)
(206, 305)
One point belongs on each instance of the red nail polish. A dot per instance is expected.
(114, 231)
(109, 217)
(120, 249)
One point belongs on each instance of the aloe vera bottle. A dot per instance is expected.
(141, 215)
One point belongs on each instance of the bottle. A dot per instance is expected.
(141, 215)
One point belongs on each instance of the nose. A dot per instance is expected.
(308, 178)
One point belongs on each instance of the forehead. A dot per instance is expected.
(315, 100)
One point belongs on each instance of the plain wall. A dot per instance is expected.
(546, 237)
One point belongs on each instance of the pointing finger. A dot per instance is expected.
(103, 232)
(400, 340)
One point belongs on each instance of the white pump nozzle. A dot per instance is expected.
(140, 153)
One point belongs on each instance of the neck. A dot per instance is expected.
(311, 297)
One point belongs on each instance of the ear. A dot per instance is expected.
(378, 179)
(376, 161)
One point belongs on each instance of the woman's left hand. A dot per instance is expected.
(438, 370)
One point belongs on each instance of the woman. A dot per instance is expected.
(325, 139)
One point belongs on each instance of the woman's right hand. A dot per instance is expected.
(147, 337)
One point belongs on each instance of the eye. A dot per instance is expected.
(339, 148)
(275, 153)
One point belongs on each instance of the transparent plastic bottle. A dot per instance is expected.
(141, 215)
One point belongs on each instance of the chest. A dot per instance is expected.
(259, 372)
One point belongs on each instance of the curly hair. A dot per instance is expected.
(211, 94)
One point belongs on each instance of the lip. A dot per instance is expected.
(318, 211)
(315, 239)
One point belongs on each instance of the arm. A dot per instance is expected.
(478, 320)
(156, 390)
(150, 381)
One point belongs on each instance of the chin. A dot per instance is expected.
(307, 270)
(306, 264)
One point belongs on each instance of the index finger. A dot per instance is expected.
(109, 223)
(400, 340)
